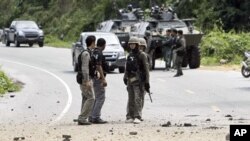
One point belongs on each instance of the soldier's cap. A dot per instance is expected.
(143, 42)
(134, 40)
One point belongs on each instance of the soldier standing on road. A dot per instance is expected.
(166, 50)
(99, 83)
(173, 44)
(180, 52)
(86, 87)
(136, 78)
(143, 47)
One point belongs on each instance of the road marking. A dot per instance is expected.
(69, 102)
(215, 108)
(189, 91)
(162, 80)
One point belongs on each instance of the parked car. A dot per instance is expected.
(114, 52)
(24, 32)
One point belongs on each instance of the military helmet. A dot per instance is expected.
(143, 42)
(134, 40)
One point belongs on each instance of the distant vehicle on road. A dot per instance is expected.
(114, 52)
(24, 32)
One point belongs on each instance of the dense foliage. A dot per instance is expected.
(65, 19)
(218, 45)
(6, 85)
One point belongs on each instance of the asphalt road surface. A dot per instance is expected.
(50, 99)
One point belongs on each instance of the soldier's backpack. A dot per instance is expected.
(92, 65)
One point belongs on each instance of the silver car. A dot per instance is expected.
(114, 52)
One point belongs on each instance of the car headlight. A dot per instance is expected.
(121, 54)
(40, 32)
(20, 33)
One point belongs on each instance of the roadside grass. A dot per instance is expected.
(7, 85)
(213, 63)
(55, 42)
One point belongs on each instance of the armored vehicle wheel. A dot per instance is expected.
(121, 69)
(245, 72)
(7, 43)
(194, 58)
(185, 61)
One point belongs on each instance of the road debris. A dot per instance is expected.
(228, 116)
(133, 133)
(208, 119)
(12, 96)
(18, 138)
(187, 125)
(168, 124)
(66, 137)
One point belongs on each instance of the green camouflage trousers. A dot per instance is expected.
(135, 101)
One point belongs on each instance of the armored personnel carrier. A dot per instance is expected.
(153, 29)
(122, 26)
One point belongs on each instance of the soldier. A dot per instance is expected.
(180, 52)
(136, 78)
(173, 44)
(143, 47)
(99, 83)
(166, 49)
(86, 87)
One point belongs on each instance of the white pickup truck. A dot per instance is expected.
(114, 52)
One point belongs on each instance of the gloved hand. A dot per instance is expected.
(147, 87)
(125, 80)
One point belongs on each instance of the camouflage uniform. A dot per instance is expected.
(166, 50)
(87, 93)
(173, 53)
(135, 84)
(181, 47)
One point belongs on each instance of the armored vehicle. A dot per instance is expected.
(122, 26)
(152, 30)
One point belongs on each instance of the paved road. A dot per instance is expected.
(51, 97)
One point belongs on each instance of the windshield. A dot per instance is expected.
(110, 39)
(27, 24)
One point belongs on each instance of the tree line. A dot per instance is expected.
(70, 17)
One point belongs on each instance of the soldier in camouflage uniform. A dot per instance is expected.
(86, 87)
(166, 49)
(173, 44)
(136, 78)
(180, 52)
